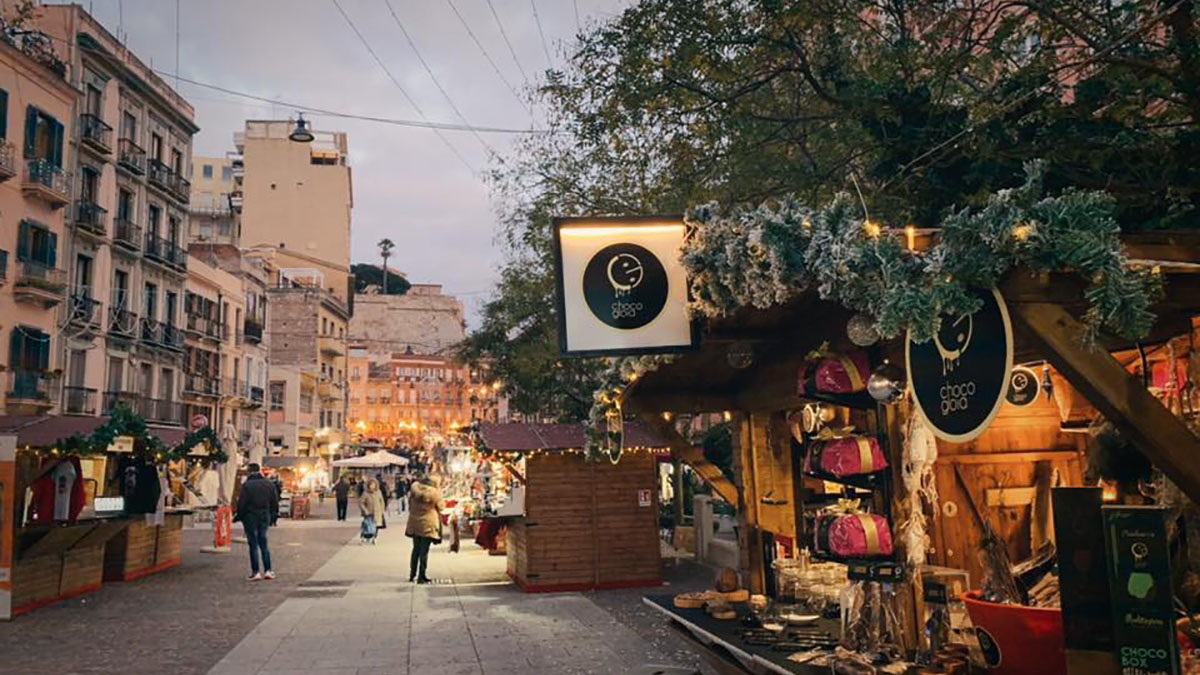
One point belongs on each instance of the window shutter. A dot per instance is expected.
(56, 143)
(3, 114)
(43, 351)
(31, 123)
(14, 348)
(52, 250)
(23, 236)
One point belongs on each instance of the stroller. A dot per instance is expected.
(368, 531)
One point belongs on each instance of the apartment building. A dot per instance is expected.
(213, 220)
(36, 123)
(242, 359)
(126, 226)
(295, 198)
(307, 325)
(417, 399)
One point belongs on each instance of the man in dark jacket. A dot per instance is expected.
(342, 491)
(257, 509)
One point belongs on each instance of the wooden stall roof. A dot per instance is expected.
(43, 431)
(522, 437)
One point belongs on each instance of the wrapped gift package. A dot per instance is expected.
(853, 536)
(843, 457)
(837, 374)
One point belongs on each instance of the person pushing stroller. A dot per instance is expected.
(372, 507)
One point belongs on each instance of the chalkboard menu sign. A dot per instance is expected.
(1139, 583)
(959, 378)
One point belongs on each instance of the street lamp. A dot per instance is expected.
(301, 134)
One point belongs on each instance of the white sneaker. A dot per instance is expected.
(254, 577)
(269, 575)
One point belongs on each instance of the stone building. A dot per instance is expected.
(424, 320)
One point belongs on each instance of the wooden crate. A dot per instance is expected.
(584, 526)
(35, 582)
(132, 553)
(82, 571)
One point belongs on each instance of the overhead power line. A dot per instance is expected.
(504, 34)
(302, 107)
(486, 55)
(538, 20)
(403, 91)
(432, 76)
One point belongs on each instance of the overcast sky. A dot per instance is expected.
(407, 184)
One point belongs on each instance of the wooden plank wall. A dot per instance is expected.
(1004, 456)
(131, 551)
(583, 526)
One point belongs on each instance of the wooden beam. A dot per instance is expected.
(1121, 398)
(693, 456)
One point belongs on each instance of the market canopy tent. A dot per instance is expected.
(372, 460)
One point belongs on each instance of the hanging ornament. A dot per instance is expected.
(740, 355)
(886, 383)
(861, 330)
(1047, 383)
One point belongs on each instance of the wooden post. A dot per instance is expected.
(1121, 398)
(749, 539)
(677, 482)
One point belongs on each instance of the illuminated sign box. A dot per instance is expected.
(621, 287)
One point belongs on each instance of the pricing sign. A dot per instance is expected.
(1139, 584)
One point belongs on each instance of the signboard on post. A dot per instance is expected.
(622, 289)
(960, 377)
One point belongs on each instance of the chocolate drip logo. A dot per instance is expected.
(625, 286)
(960, 338)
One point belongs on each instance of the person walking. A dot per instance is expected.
(383, 490)
(424, 526)
(258, 509)
(342, 492)
(401, 491)
(371, 506)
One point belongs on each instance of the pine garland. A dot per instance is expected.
(146, 446)
(765, 256)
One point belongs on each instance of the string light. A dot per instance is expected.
(872, 229)
(910, 231)
(1022, 232)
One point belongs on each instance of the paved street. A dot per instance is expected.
(341, 608)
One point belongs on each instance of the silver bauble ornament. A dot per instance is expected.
(862, 331)
(886, 384)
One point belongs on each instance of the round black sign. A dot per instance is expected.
(625, 286)
(991, 651)
(960, 377)
(1023, 387)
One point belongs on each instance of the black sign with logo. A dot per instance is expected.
(625, 286)
(959, 378)
(992, 656)
(1023, 387)
(1139, 584)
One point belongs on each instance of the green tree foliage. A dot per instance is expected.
(372, 275)
(923, 106)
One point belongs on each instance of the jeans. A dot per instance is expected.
(256, 535)
(420, 558)
(341, 508)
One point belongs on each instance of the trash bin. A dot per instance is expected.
(1018, 640)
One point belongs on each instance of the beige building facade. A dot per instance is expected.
(127, 225)
(213, 220)
(424, 320)
(35, 159)
(296, 198)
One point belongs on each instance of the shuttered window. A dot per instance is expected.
(29, 349)
(43, 136)
(36, 243)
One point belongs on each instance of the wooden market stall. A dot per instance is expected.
(586, 524)
(70, 518)
(1033, 442)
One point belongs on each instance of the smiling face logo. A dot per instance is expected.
(625, 286)
(952, 341)
(625, 273)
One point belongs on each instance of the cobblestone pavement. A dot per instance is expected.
(181, 621)
(360, 616)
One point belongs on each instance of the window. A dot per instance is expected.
(3, 114)
(92, 100)
(36, 243)
(177, 161)
(155, 221)
(43, 137)
(83, 275)
(150, 304)
(207, 171)
(28, 349)
(169, 308)
(125, 205)
(120, 291)
(277, 394)
(129, 126)
(89, 184)
(156, 147)
(227, 173)
(116, 374)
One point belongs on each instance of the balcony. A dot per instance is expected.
(182, 188)
(331, 346)
(30, 391)
(200, 385)
(37, 46)
(84, 311)
(95, 134)
(45, 181)
(256, 397)
(90, 217)
(170, 337)
(127, 235)
(235, 389)
(111, 400)
(39, 284)
(8, 162)
(160, 334)
(131, 156)
(159, 174)
(253, 331)
(79, 401)
(236, 200)
(165, 252)
(163, 411)
(122, 323)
